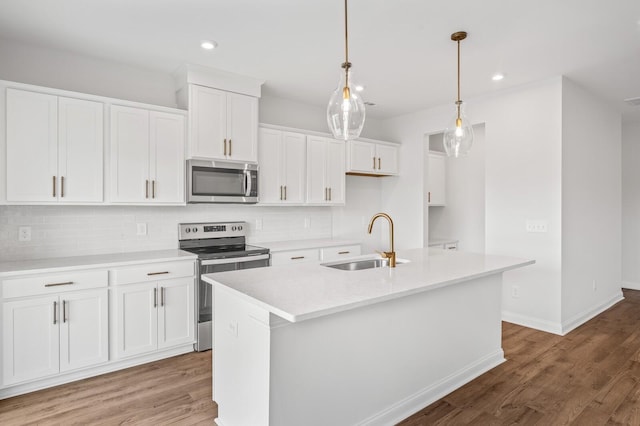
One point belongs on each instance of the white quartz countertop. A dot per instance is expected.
(305, 291)
(276, 246)
(61, 264)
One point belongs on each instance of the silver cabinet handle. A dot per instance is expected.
(54, 187)
(64, 311)
(155, 297)
(374, 163)
(229, 147)
(326, 194)
(225, 147)
(153, 188)
(429, 196)
(379, 163)
(344, 252)
(161, 296)
(55, 308)
(157, 273)
(297, 257)
(329, 193)
(280, 192)
(57, 284)
(62, 186)
(285, 192)
(146, 189)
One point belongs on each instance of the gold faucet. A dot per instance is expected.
(391, 255)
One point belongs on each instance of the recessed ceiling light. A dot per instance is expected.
(359, 88)
(208, 44)
(497, 77)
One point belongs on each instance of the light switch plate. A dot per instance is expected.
(536, 226)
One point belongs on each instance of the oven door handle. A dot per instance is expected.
(234, 260)
(247, 183)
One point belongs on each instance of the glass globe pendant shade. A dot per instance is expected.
(458, 136)
(345, 112)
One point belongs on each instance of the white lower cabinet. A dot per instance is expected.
(314, 254)
(152, 315)
(46, 335)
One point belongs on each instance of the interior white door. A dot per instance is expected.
(242, 127)
(208, 118)
(294, 161)
(84, 329)
(32, 146)
(166, 157)
(80, 147)
(30, 339)
(270, 158)
(175, 312)
(136, 319)
(130, 154)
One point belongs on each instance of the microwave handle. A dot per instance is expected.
(247, 183)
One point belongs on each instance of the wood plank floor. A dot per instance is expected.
(589, 377)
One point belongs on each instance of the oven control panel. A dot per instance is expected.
(193, 231)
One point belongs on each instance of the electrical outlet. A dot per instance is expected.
(258, 224)
(24, 233)
(515, 292)
(307, 223)
(141, 228)
(536, 226)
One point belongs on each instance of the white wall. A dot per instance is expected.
(463, 217)
(72, 230)
(631, 206)
(522, 177)
(591, 205)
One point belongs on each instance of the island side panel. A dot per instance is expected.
(241, 353)
(381, 363)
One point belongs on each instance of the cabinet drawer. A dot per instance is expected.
(335, 253)
(294, 256)
(53, 283)
(151, 272)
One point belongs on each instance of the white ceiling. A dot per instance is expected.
(400, 49)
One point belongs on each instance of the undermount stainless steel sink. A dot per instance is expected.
(356, 265)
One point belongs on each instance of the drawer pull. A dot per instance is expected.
(344, 252)
(297, 257)
(57, 284)
(157, 273)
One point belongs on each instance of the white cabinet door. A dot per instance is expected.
(166, 157)
(242, 127)
(363, 156)
(208, 120)
(176, 316)
(80, 142)
(84, 329)
(317, 189)
(32, 147)
(129, 154)
(293, 166)
(30, 339)
(136, 319)
(436, 195)
(335, 171)
(269, 182)
(387, 161)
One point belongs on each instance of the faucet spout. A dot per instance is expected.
(391, 255)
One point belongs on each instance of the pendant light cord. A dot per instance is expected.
(346, 37)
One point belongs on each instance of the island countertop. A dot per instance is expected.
(301, 292)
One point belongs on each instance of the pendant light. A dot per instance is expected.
(345, 112)
(458, 136)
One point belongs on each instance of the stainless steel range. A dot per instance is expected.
(220, 246)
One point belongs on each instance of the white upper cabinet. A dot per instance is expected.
(147, 156)
(436, 194)
(325, 171)
(54, 148)
(282, 163)
(372, 158)
(223, 125)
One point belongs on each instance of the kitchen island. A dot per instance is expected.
(310, 344)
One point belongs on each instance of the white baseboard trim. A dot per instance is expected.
(579, 319)
(416, 402)
(531, 322)
(631, 285)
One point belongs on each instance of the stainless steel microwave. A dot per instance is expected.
(221, 182)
